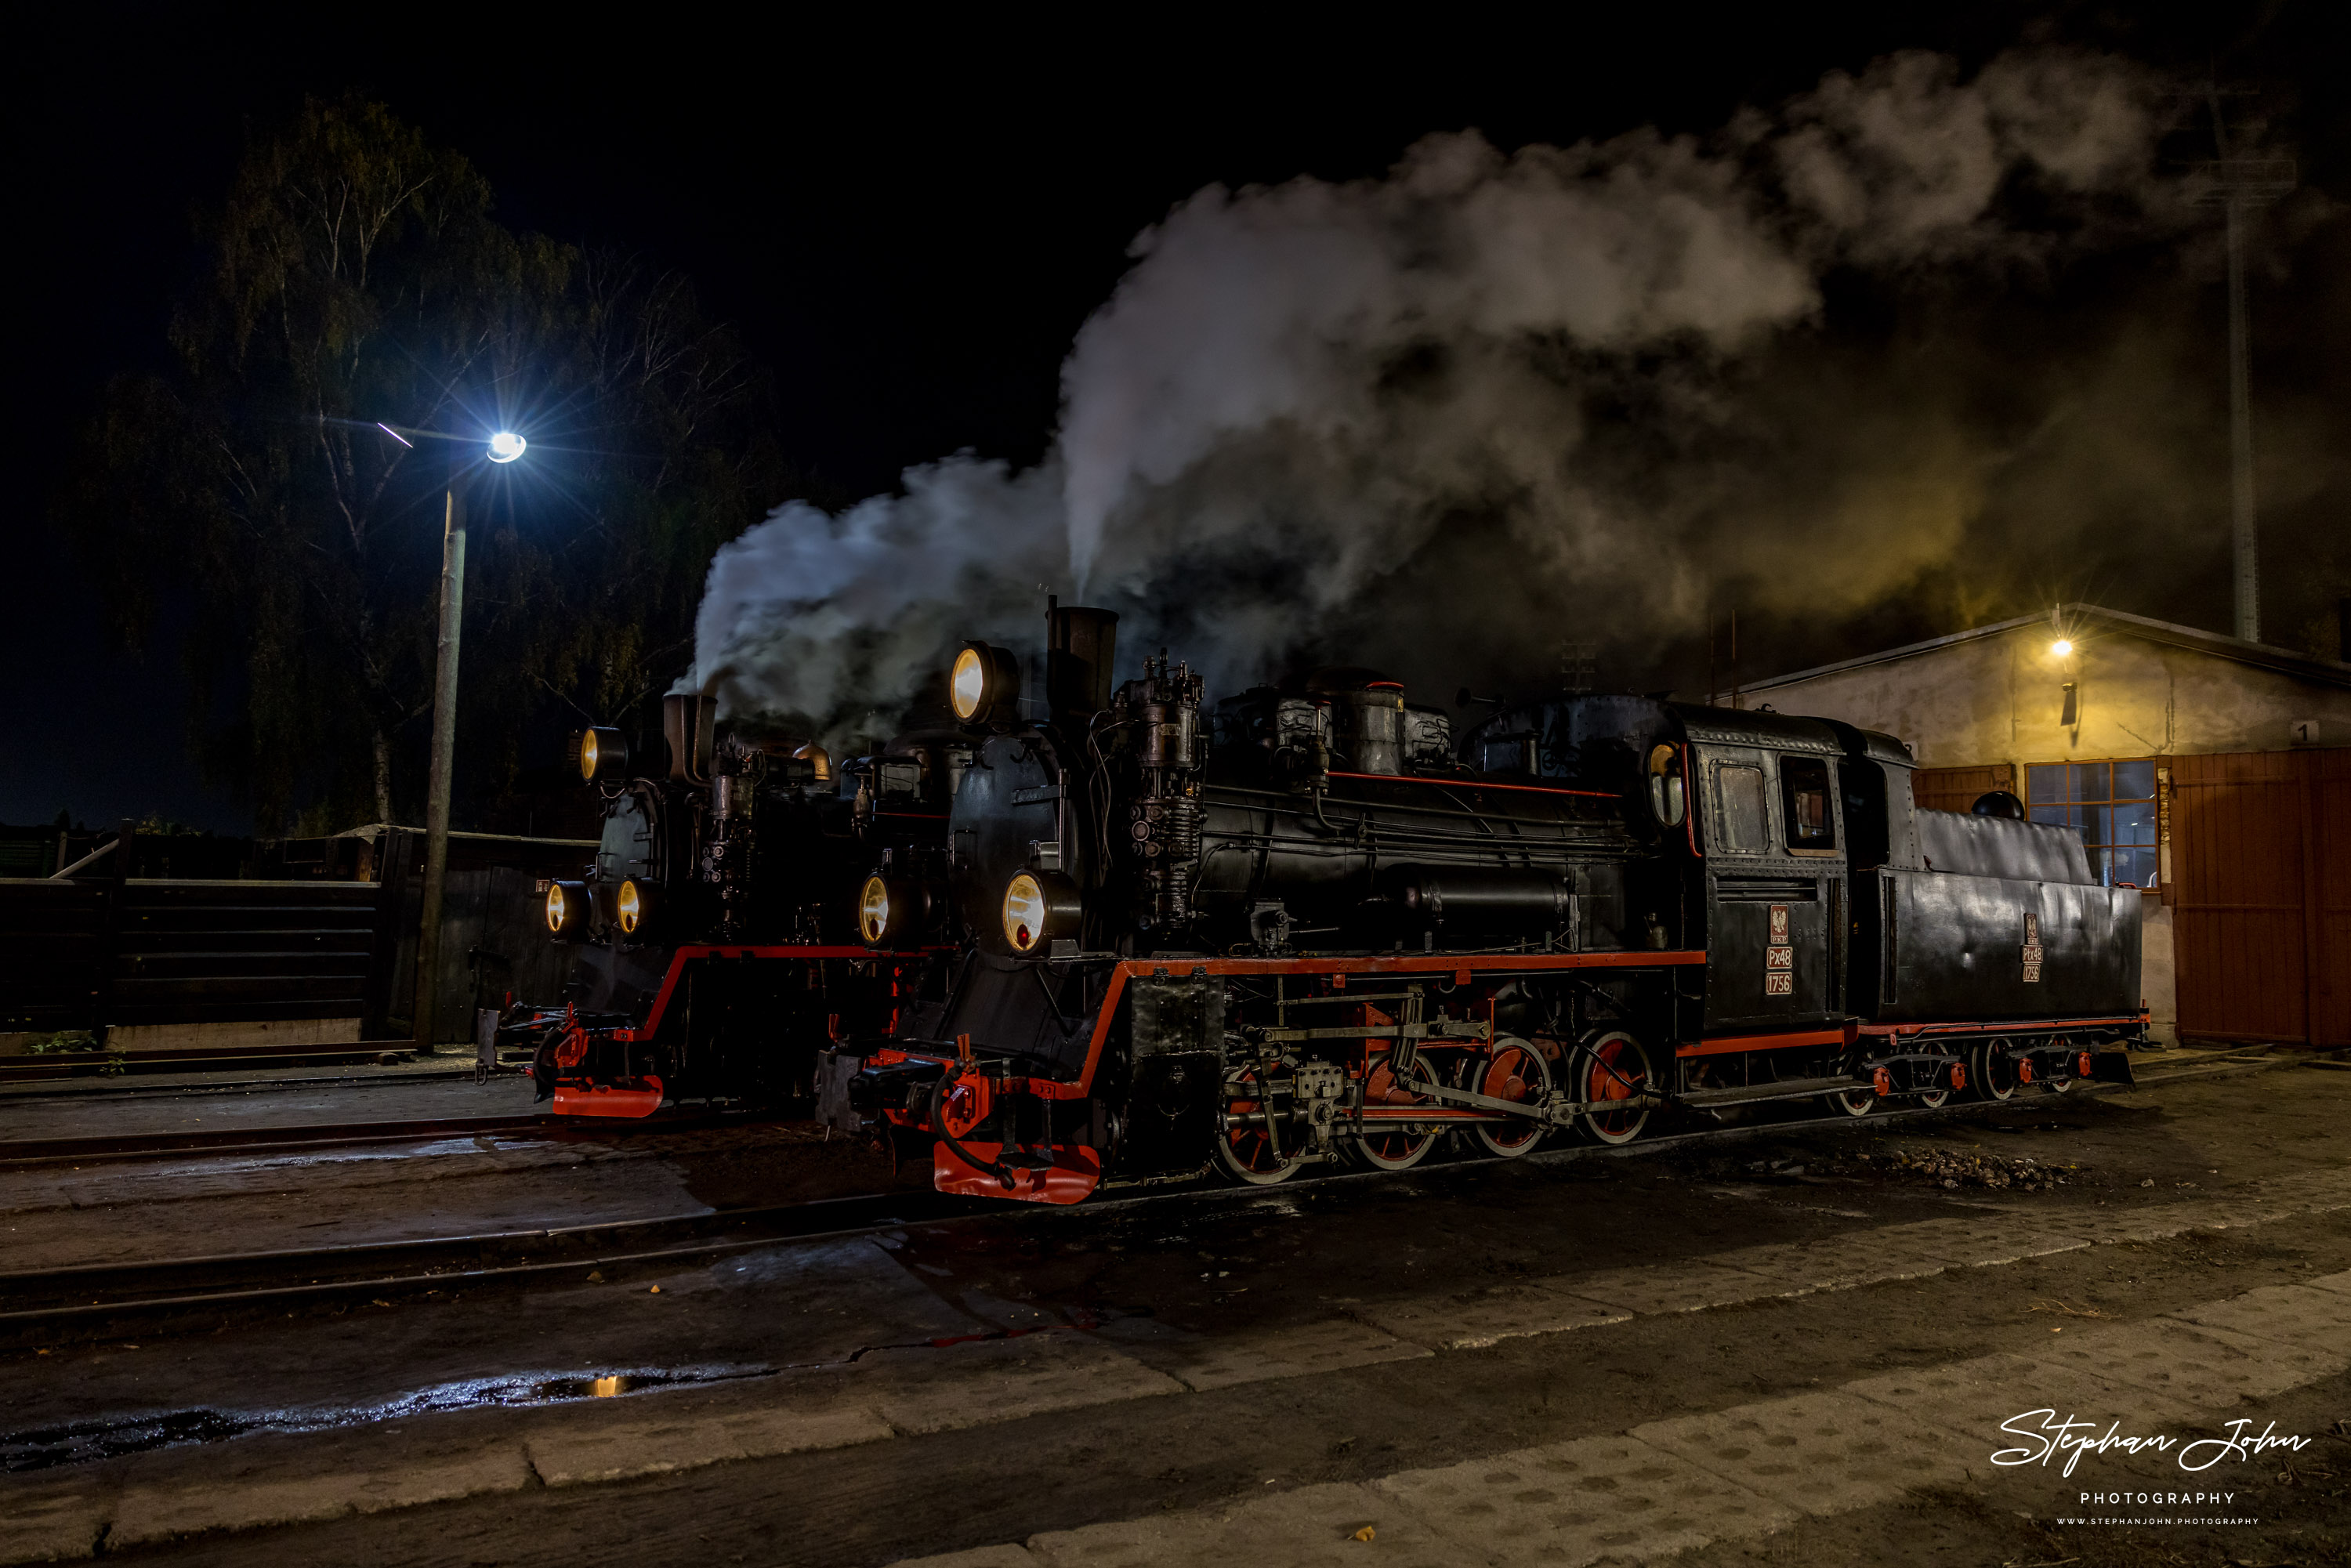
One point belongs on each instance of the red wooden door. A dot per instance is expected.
(2261, 861)
(2328, 922)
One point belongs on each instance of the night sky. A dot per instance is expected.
(908, 223)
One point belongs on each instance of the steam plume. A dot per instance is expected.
(1482, 403)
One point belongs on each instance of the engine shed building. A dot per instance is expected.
(2212, 774)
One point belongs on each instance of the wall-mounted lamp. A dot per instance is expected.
(2062, 647)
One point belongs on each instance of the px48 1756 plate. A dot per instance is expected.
(1780, 958)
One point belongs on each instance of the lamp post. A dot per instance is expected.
(503, 447)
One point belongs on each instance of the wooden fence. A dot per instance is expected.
(109, 950)
(94, 953)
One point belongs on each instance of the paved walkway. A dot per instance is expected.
(1742, 1469)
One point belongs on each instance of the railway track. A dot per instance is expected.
(101, 1301)
(94, 1301)
(18, 1091)
(30, 1153)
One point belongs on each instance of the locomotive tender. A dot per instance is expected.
(1141, 936)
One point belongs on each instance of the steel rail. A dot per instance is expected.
(84, 1299)
(96, 1294)
(28, 1153)
(14, 1091)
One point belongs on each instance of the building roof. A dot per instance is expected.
(2076, 617)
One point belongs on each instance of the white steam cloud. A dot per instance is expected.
(1484, 403)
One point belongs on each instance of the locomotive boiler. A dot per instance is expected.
(1308, 924)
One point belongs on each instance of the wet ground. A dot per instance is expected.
(1172, 1360)
(63, 1214)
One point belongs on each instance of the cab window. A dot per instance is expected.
(1740, 789)
(1804, 790)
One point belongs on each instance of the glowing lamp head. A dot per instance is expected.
(506, 446)
(570, 907)
(1024, 914)
(1041, 907)
(1667, 799)
(969, 684)
(631, 906)
(982, 683)
(2062, 647)
(603, 754)
(892, 911)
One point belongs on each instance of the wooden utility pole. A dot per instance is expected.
(444, 746)
(2240, 186)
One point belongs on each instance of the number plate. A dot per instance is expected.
(1779, 983)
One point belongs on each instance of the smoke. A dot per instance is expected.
(1483, 404)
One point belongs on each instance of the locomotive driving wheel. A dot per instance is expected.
(1516, 1072)
(1992, 1075)
(1396, 1146)
(1853, 1101)
(1611, 1068)
(1248, 1143)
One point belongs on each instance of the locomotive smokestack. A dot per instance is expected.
(689, 723)
(1082, 646)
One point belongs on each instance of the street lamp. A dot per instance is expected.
(504, 446)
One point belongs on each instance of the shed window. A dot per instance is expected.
(2112, 804)
(1805, 795)
(1741, 790)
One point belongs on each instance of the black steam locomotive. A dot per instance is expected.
(717, 929)
(1307, 926)
(1100, 933)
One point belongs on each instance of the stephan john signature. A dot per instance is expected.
(2051, 1436)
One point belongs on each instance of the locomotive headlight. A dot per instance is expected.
(1039, 907)
(603, 754)
(1667, 799)
(984, 683)
(634, 905)
(891, 911)
(570, 907)
(969, 684)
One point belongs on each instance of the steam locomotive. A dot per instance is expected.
(1141, 938)
(717, 932)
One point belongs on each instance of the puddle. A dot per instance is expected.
(81, 1442)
